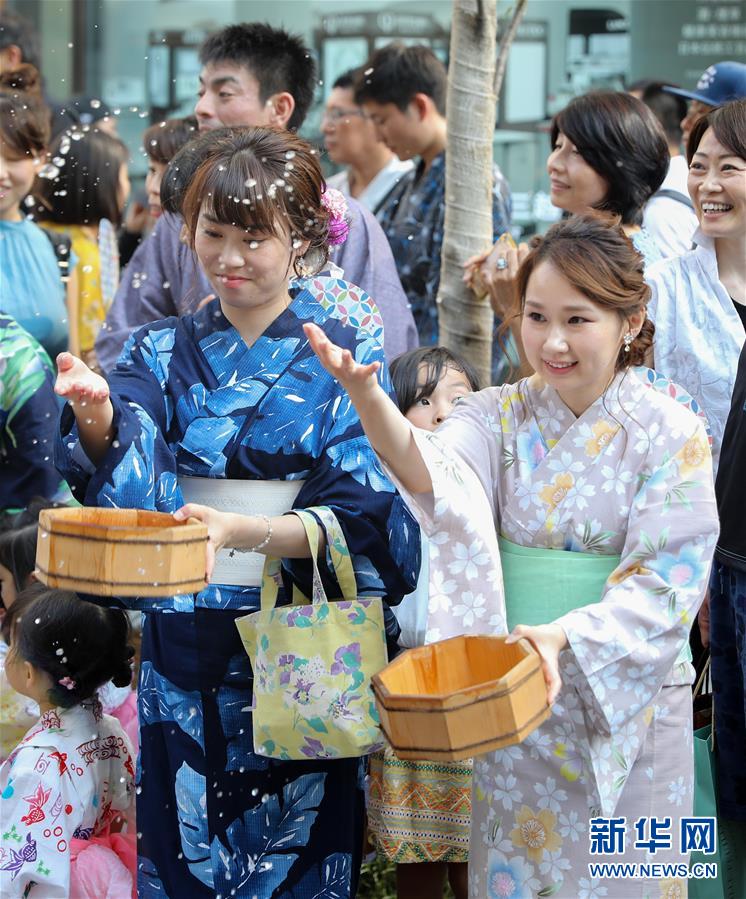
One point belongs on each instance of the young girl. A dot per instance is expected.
(229, 407)
(32, 286)
(419, 812)
(17, 563)
(599, 488)
(72, 775)
(84, 200)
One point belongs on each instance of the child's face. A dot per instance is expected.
(153, 179)
(16, 671)
(248, 270)
(17, 175)
(428, 412)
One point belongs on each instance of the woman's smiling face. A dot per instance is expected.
(247, 269)
(717, 185)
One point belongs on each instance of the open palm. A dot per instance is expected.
(77, 383)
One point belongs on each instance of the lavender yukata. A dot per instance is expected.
(631, 476)
(190, 398)
(164, 278)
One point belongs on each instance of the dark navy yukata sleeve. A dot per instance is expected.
(139, 469)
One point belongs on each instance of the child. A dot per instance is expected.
(85, 200)
(62, 788)
(17, 562)
(419, 812)
(32, 276)
(218, 401)
(597, 481)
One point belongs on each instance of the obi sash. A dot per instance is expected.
(239, 568)
(541, 585)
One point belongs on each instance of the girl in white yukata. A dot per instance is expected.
(597, 484)
(68, 785)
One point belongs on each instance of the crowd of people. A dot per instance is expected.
(258, 324)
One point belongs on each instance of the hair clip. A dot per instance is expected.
(67, 682)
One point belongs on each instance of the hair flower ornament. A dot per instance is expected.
(67, 682)
(336, 205)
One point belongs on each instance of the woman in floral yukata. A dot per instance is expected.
(586, 490)
(235, 392)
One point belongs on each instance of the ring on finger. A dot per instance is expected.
(501, 264)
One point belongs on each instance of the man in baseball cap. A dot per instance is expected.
(718, 84)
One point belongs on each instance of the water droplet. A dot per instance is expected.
(95, 104)
(38, 620)
(60, 652)
(250, 182)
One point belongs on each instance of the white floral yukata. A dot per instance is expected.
(68, 778)
(631, 476)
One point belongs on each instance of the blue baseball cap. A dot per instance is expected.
(718, 84)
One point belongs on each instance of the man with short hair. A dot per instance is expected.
(19, 42)
(668, 215)
(252, 74)
(403, 90)
(350, 139)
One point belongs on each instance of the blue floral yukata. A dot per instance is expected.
(190, 398)
(413, 219)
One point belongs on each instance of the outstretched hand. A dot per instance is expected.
(340, 363)
(548, 640)
(77, 383)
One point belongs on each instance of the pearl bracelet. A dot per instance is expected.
(267, 538)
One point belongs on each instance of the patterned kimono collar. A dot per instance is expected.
(86, 714)
(611, 403)
(303, 306)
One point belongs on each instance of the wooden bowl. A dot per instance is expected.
(120, 552)
(461, 697)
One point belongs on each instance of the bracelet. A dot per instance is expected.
(267, 538)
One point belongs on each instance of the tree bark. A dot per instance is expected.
(465, 321)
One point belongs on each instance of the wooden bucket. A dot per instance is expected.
(461, 697)
(120, 552)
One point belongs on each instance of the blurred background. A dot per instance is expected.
(140, 57)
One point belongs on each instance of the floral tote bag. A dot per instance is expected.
(313, 661)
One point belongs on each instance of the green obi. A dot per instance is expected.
(541, 585)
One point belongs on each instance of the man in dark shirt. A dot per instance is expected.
(728, 621)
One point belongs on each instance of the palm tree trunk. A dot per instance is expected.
(465, 320)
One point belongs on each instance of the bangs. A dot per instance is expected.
(256, 203)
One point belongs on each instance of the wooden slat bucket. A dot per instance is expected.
(461, 697)
(120, 552)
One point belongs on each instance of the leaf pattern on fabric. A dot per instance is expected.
(283, 826)
(161, 701)
(330, 880)
(191, 800)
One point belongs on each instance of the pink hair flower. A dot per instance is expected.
(67, 682)
(336, 205)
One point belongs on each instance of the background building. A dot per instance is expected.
(140, 56)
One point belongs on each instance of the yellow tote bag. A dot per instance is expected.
(313, 661)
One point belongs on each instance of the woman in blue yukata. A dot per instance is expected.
(233, 397)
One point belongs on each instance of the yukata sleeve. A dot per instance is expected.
(381, 534)
(460, 519)
(625, 648)
(139, 469)
(29, 411)
(38, 808)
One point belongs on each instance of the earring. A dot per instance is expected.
(627, 340)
